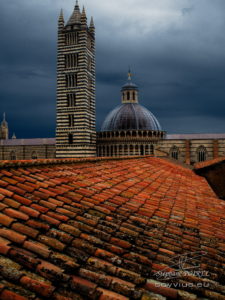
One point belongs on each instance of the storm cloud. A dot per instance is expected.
(175, 48)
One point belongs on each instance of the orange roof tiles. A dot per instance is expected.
(109, 229)
(209, 163)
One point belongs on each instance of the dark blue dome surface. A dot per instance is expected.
(130, 116)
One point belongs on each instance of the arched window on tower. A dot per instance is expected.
(70, 138)
(71, 100)
(34, 155)
(71, 120)
(13, 155)
(174, 152)
(201, 153)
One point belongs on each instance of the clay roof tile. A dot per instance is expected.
(105, 228)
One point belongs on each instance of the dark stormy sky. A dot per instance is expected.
(176, 50)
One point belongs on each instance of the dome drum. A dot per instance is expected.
(146, 135)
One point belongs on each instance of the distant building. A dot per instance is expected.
(130, 129)
(25, 149)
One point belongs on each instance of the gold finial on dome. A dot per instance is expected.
(129, 74)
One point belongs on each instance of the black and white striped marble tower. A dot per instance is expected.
(75, 132)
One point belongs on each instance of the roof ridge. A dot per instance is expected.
(56, 161)
(208, 163)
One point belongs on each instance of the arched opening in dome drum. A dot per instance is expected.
(120, 150)
(128, 95)
(144, 134)
(152, 149)
(142, 150)
(115, 150)
(103, 150)
(112, 152)
(126, 150)
(147, 149)
(134, 133)
(136, 150)
(70, 138)
(131, 150)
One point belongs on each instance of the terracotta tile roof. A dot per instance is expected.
(109, 229)
(209, 163)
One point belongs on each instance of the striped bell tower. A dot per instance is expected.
(75, 132)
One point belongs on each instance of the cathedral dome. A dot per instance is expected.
(130, 116)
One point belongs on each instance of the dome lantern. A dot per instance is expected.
(129, 91)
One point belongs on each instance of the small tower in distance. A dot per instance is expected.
(75, 131)
(4, 130)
